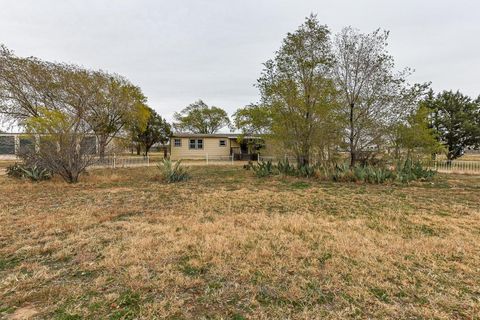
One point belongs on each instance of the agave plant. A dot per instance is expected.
(284, 167)
(306, 171)
(264, 169)
(33, 173)
(409, 171)
(174, 172)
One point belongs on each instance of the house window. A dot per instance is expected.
(223, 143)
(177, 142)
(196, 144)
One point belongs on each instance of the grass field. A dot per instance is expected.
(123, 245)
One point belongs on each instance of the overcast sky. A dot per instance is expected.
(180, 51)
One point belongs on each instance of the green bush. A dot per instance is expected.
(174, 172)
(33, 172)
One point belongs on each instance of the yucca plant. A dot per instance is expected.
(284, 167)
(409, 171)
(33, 172)
(174, 172)
(341, 172)
(306, 171)
(15, 171)
(264, 169)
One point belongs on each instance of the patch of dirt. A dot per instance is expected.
(27, 312)
(119, 189)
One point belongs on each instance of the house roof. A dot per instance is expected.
(209, 135)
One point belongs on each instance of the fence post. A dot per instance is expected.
(207, 158)
(114, 161)
(232, 157)
(148, 161)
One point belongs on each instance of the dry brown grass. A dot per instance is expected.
(121, 245)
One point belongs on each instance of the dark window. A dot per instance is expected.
(7, 145)
(177, 142)
(27, 144)
(195, 144)
(223, 143)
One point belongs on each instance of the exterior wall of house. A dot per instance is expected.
(211, 146)
(11, 144)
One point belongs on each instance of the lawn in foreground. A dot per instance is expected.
(123, 245)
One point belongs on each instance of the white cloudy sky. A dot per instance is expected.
(179, 51)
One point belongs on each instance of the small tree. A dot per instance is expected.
(200, 118)
(415, 137)
(156, 130)
(63, 147)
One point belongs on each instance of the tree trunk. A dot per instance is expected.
(138, 146)
(147, 149)
(102, 145)
(353, 156)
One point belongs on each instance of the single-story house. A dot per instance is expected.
(213, 146)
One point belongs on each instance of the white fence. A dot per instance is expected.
(454, 166)
(218, 159)
(277, 158)
(113, 161)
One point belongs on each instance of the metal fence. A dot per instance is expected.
(277, 158)
(114, 161)
(219, 159)
(454, 166)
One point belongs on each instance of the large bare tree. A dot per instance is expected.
(107, 103)
(374, 95)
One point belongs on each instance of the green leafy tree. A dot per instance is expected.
(415, 137)
(198, 117)
(297, 89)
(456, 119)
(253, 120)
(156, 130)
